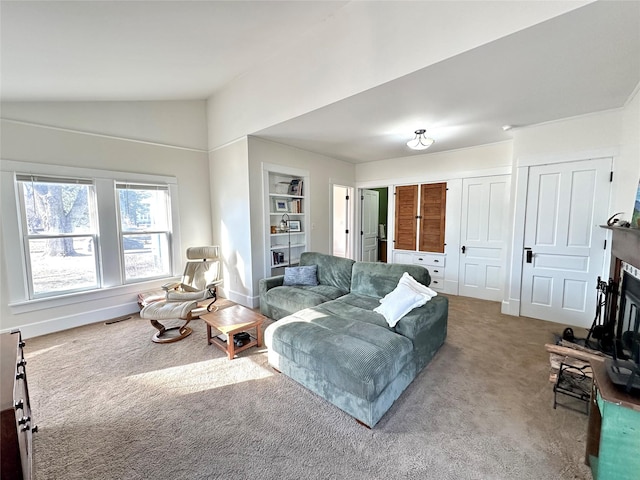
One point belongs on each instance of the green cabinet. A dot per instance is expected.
(613, 440)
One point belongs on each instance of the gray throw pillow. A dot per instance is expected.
(307, 275)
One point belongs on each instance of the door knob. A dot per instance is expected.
(529, 254)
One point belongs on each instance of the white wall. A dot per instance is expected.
(231, 217)
(323, 172)
(627, 169)
(58, 144)
(433, 167)
(613, 133)
(370, 43)
(237, 204)
(450, 167)
(174, 123)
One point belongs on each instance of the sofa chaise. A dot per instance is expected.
(329, 338)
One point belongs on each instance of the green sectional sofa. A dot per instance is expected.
(329, 339)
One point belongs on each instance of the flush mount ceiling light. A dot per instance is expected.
(420, 141)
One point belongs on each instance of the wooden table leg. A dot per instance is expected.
(259, 330)
(231, 346)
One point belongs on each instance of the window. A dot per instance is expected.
(59, 234)
(145, 234)
(83, 234)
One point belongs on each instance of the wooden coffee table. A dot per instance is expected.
(232, 320)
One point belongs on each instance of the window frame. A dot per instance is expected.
(104, 181)
(122, 233)
(21, 179)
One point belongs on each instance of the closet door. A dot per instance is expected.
(406, 214)
(433, 203)
(484, 234)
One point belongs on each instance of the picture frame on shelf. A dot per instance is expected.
(295, 187)
(281, 206)
(635, 217)
(294, 226)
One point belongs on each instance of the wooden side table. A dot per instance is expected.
(613, 438)
(232, 320)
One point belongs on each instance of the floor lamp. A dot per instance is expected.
(284, 225)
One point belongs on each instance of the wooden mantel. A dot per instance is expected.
(625, 244)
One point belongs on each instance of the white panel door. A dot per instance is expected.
(483, 236)
(341, 217)
(563, 242)
(370, 206)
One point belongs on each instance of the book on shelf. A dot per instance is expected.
(296, 206)
(278, 257)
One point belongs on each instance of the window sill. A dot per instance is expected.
(27, 306)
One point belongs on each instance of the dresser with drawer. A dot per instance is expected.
(434, 262)
(16, 418)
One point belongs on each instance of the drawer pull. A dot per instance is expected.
(22, 363)
(24, 428)
(435, 260)
(435, 281)
(19, 375)
(21, 344)
(420, 259)
(23, 420)
(19, 405)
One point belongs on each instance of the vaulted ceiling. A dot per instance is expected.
(582, 61)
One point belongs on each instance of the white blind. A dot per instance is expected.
(48, 179)
(140, 186)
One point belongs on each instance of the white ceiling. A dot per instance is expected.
(583, 61)
(142, 50)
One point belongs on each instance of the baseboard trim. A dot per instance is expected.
(451, 287)
(59, 324)
(511, 307)
(245, 300)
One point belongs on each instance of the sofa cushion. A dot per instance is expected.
(378, 279)
(333, 271)
(354, 307)
(304, 275)
(293, 298)
(360, 358)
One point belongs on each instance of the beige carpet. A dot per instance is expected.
(110, 404)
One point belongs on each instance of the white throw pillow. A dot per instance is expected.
(409, 281)
(408, 295)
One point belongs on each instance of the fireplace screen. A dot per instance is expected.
(624, 368)
(629, 318)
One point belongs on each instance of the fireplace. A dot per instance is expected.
(624, 311)
(628, 322)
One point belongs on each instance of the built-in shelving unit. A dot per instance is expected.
(286, 216)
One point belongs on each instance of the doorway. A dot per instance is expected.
(374, 204)
(369, 226)
(342, 220)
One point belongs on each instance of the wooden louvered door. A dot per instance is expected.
(406, 214)
(433, 201)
